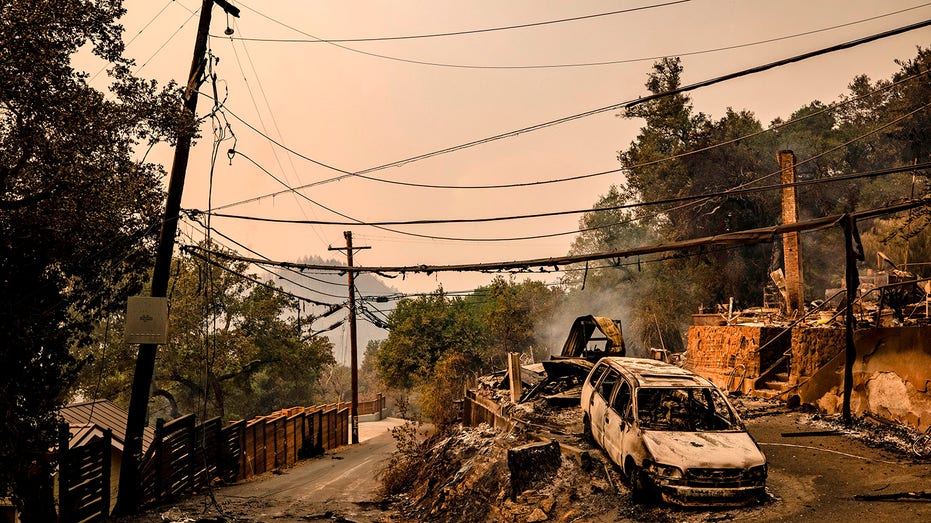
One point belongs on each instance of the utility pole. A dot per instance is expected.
(353, 347)
(128, 494)
(853, 250)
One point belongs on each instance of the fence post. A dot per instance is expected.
(64, 473)
(158, 455)
(192, 461)
(106, 458)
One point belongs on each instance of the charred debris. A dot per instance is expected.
(558, 381)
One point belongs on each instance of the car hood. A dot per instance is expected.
(703, 449)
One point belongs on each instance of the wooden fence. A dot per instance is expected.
(477, 410)
(84, 480)
(186, 456)
(376, 406)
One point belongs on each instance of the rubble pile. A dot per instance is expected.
(481, 474)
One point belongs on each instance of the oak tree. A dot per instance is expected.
(78, 214)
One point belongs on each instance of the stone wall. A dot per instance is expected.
(892, 373)
(812, 348)
(716, 351)
(891, 377)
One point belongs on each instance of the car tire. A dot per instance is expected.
(642, 489)
(587, 428)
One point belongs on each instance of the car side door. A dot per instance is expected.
(591, 386)
(600, 402)
(617, 421)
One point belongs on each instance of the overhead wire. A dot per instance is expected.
(336, 43)
(271, 113)
(263, 283)
(170, 38)
(267, 285)
(691, 203)
(641, 100)
(193, 241)
(775, 127)
(133, 39)
(451, 33)
(276, 275)
(749, 236)
(622, 105)
(829, 108)
(679, 199)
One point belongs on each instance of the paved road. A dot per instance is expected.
(817, 478)
(340, 484)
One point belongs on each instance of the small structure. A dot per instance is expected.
(89, 421)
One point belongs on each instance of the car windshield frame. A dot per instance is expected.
(685, 409)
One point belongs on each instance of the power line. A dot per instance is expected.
(750, 236)
(700, 200)
(440, 35)
(272, 115)
(332, 307)
(302, 274)
(641, 100)
(346, 174)
(830, 108)
(618, 106)
(335, 42)
(170, 38)
(818, 181)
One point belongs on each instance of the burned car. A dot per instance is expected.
(672, 432)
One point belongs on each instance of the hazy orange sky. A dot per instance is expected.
(355, 111)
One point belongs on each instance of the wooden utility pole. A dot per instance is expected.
(853, 252)
(353, 346)
(791, 241)
(129, 488)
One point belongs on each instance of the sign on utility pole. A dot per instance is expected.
(128, 495)
(353, 346)
(146, 320)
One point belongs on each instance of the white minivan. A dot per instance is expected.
(672, 432)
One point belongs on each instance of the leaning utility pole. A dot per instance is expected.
(353, 347)
(128, 493)
(853, 250)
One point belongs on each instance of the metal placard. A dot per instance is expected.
(146, 320)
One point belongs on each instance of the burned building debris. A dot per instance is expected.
(801, 358)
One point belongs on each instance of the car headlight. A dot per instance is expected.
(757, 472)
(666, 471)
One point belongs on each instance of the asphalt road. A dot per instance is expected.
(818, 478)
(340, 486)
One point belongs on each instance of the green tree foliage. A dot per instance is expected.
(422, 331)
(658, 296)
(452, 374)
(673, 128)
(78, 214)
(235, 349)
(512, 312)
(680, 152)
(370, 382)
(437, 344)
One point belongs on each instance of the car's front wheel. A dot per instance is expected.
(642, 489)
(587, 427)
